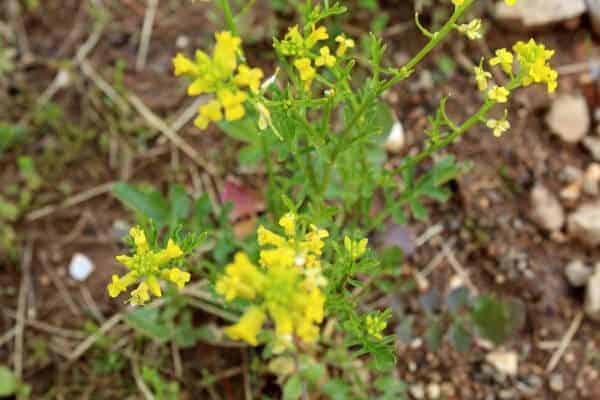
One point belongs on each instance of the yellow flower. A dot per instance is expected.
(533, 59)
(458, 3)
(119, 285)
(375, 325)
(481, 77)
(248, 77)
(293, 42)
(145, 265)
(307, 72)
(242, 279)
(505, 59)
(232, 102)
(140, 295)
(510, 2)
(177, 276)
(208, 112)
(343, 45)
(325, 58)
(267, 237)
(356, 249)
(288, 223)
(278, 257)
(313, 240)
(264, 116)
(184, 66)
(498, 126)
(315, 36)
(248, 326)
(499, 94)
(225, 53)
(472, 30)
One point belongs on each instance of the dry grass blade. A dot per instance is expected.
(146, 34)
(21, 310)
(564, 343)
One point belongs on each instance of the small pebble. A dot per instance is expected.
(81, 267)
(557, 383)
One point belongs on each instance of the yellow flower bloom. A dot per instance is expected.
(481, 77)
(505, 59)
(472, 30)
(140, 295)
(343, 45)
(315, 36)
(184, 66)
(146, 265)
(533, 59)
(313, 240)
(264, 117)
(177, 276)
(499, 94)
(242, 279)
(293, 42)
(510, 2)
(248, 77)
(267, 237)
(498, 126)
(225, 53)
(208, 112)
(307, 72)
(288, 223)
(278, 257)
(232, 102)
(119, 285)
(248, 326)
(325, 58)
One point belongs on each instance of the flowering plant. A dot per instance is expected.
(315, 125)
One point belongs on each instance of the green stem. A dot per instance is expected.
(229, 19)
(402, 73)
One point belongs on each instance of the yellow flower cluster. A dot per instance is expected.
(532, 67)
(375, 325)
(296, 45)
(217, 74)
(145, 267)
(356, 249)
(285, 287)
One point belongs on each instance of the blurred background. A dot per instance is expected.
(94, 126)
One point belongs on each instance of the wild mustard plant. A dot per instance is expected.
(317, 126)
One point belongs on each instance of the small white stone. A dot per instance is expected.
(569, 117)
(546, 209)
(557, 383)
(592, 297)
(535, 13)
(578, 273)
(433, 391)
(417, 391)
(584, 223)
(81, 267)
(395, 141)
(505, 362)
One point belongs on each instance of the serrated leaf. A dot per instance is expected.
(147, 321)
(149, 204)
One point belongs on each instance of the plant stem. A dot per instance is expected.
(229, 19)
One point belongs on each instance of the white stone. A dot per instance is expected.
(505, 362)
(535, 13)
(592, 144)
(546, 210)
(578, 273)
(569, 117)
(395, 140)
(81, 267)
(584, 223)
(417, 391)
(592, 297)
(433, 391)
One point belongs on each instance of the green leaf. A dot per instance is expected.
(10, 135)
(250, 155)
(148, 203)
(336, 389)
(459, 336)
(244, 130)
(9, 383)
(293, 388)
(496, 320)
(180, 206)
(434, 335)
(418, 210)
(147, 321)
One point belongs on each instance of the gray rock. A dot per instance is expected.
(569, 117)
(592, 144)
(592, 296)
(546, 210)
(578, 273)
(584, 223)
(536, 13)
